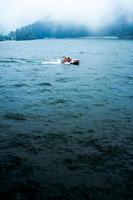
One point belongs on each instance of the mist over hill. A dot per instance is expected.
(121, 28)
(40, 30)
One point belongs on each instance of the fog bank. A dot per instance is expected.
(94, 14)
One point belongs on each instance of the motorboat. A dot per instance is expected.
(67, 60)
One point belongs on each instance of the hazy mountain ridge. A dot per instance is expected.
(40, 30)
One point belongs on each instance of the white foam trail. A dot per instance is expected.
(51, 62)
(66, 63)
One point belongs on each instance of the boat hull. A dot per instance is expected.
(72, 62)
(75, 62)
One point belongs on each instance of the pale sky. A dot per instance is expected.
(93, 13)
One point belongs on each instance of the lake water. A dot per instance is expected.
(66, 132)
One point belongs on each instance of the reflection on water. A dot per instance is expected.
(66, 131)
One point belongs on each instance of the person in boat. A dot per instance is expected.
(66, 59)
(69, 59)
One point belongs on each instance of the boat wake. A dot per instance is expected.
(51, 62)
(30, 61)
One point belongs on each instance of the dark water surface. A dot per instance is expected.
(66, 132)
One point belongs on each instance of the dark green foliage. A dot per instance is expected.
(121, 28)
(2, 38)
(40, 30)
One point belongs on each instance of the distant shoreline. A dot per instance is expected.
(86, 37)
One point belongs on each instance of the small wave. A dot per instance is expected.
(130, 96)
(7, 61)
(45, 84)
(62, 80)
(15, 116)
(13, 60)
(58, 101)
(2, 86)
(19, 85)
(130, 77)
